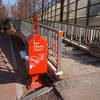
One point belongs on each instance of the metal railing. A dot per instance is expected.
(87, 36)
(54, 45)
(53, 37)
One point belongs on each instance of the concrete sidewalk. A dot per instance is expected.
(81, 75)
(7, 74)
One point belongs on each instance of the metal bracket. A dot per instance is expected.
(59, 73)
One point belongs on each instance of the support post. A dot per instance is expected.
(55, 9)
(42, 8)
(75, 22)
(61, 10)
(68, 7)
(87, 13)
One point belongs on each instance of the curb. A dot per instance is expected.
(38, 93)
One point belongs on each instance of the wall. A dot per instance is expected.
(80, 12)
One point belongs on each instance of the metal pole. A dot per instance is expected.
(55, 9)
(48, 13)
(34, 2)
(75, 22)
(42, 8)
(87, 13)
(68, 7)
(61, 11)
(51, 11)
(59, 51)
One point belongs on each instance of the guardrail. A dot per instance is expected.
(87, 36)
(53, 37)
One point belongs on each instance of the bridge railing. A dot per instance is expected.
(53, 37)
(86, 36)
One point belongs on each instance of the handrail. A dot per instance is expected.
(86, 36)
(48, 27)
(91, 27)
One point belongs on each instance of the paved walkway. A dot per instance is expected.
(81, 73)
(77, 63)
(7, 74)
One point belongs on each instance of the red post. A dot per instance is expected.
(32, 24)
(38, 23)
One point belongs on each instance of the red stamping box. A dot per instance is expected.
(37, 50)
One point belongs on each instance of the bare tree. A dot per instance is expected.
(3, 10)
(26, 8)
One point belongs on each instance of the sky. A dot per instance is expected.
(11, 2)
